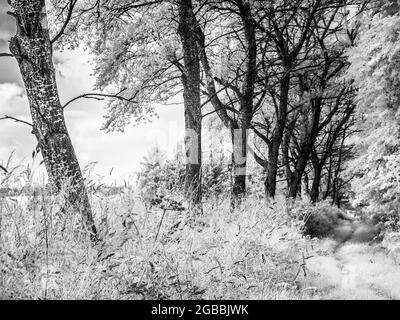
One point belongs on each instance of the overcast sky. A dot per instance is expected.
(121, 151)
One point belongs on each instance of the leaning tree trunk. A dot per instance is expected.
(192, 102)
(32, 48)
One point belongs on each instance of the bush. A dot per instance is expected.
(161, 177)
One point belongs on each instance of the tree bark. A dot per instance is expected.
(285, 154)
(32, 48)
(191, 95)
(314, 194)
(328, 179)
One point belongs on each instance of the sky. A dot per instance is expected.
(120, 152)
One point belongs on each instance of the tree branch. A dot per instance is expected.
(16, 120)
(262, 136)
(230, 86)
(100, 96)
(4, 169)
(5, 54)
(72, 4)
(262, 162)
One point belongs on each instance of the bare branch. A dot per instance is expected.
(262, 136)
(16, 120)
(230, 86)
(262, 162)
(72, 4)
(213, 111)
(5, 54)
(4, 169)
(101, 96)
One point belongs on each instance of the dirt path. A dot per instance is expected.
(353, 271)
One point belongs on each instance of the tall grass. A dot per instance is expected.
(151, 252)
(146, 252)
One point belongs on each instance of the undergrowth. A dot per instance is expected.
(252, 253)
(153, 252)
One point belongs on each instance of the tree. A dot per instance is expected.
(32, 48)
(288, 27)
(303, 57)
(375, 65)
(325, 92)
(330, 150)
(146, 49)
(160, 177)
(235, 113)
(191, 95)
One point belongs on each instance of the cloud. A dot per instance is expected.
(14, 136)
(13, 101)
(122, 151)
(7, 23)
(9, 90)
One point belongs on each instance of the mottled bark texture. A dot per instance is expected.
(32, 48)
(192, 103)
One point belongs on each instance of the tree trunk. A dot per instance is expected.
(238, 127)
(310, 136)
(191, 96)
(336, 181)
(299, 170)
(306, 188)
(272, 169)
(328, 179)
(314, 194)
(32, 48)
(285, 154)
(239, 164)
(240, 138)
(273, 152)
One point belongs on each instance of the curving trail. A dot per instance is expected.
(352, 271)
